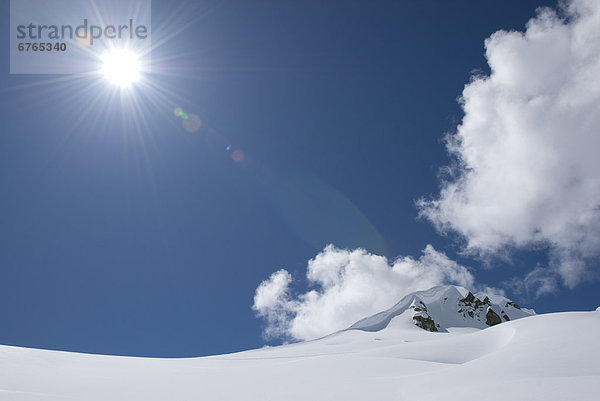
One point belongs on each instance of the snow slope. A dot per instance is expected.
(448, 306)
(541, 357)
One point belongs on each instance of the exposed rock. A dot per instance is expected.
(478, 302)
(492, 318)
(426, 323)
(470, 298)
(440, 308)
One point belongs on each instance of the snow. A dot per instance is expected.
(442, 304)
(540, 357)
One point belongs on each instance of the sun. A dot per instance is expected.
(121, 67)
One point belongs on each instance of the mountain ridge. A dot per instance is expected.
(448, 306)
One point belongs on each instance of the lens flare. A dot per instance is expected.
(237, 156)
(192, 123)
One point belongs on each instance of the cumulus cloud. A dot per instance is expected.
(527, 171)
(272, 302)
(348, 285)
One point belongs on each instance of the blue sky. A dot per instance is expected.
(153, 241)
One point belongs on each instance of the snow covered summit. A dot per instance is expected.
(443, 307)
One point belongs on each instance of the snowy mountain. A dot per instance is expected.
(443, 307)
(386, 357)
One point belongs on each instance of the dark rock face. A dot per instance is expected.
(423, 320)
(425, 323)
(470, 298)
(465, 310)
(441, 308)
(492, 318)
(478, 303)
(473, 306)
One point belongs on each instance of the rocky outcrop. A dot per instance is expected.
(474, 302)
(477, 308)
(492, 318)
(444, 307)
(421, 318)
(425, 323)
(469, 299)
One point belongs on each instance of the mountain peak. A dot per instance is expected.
(443, 307)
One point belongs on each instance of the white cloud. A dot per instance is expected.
(271, 301)
(348, 285)
(527, 167)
